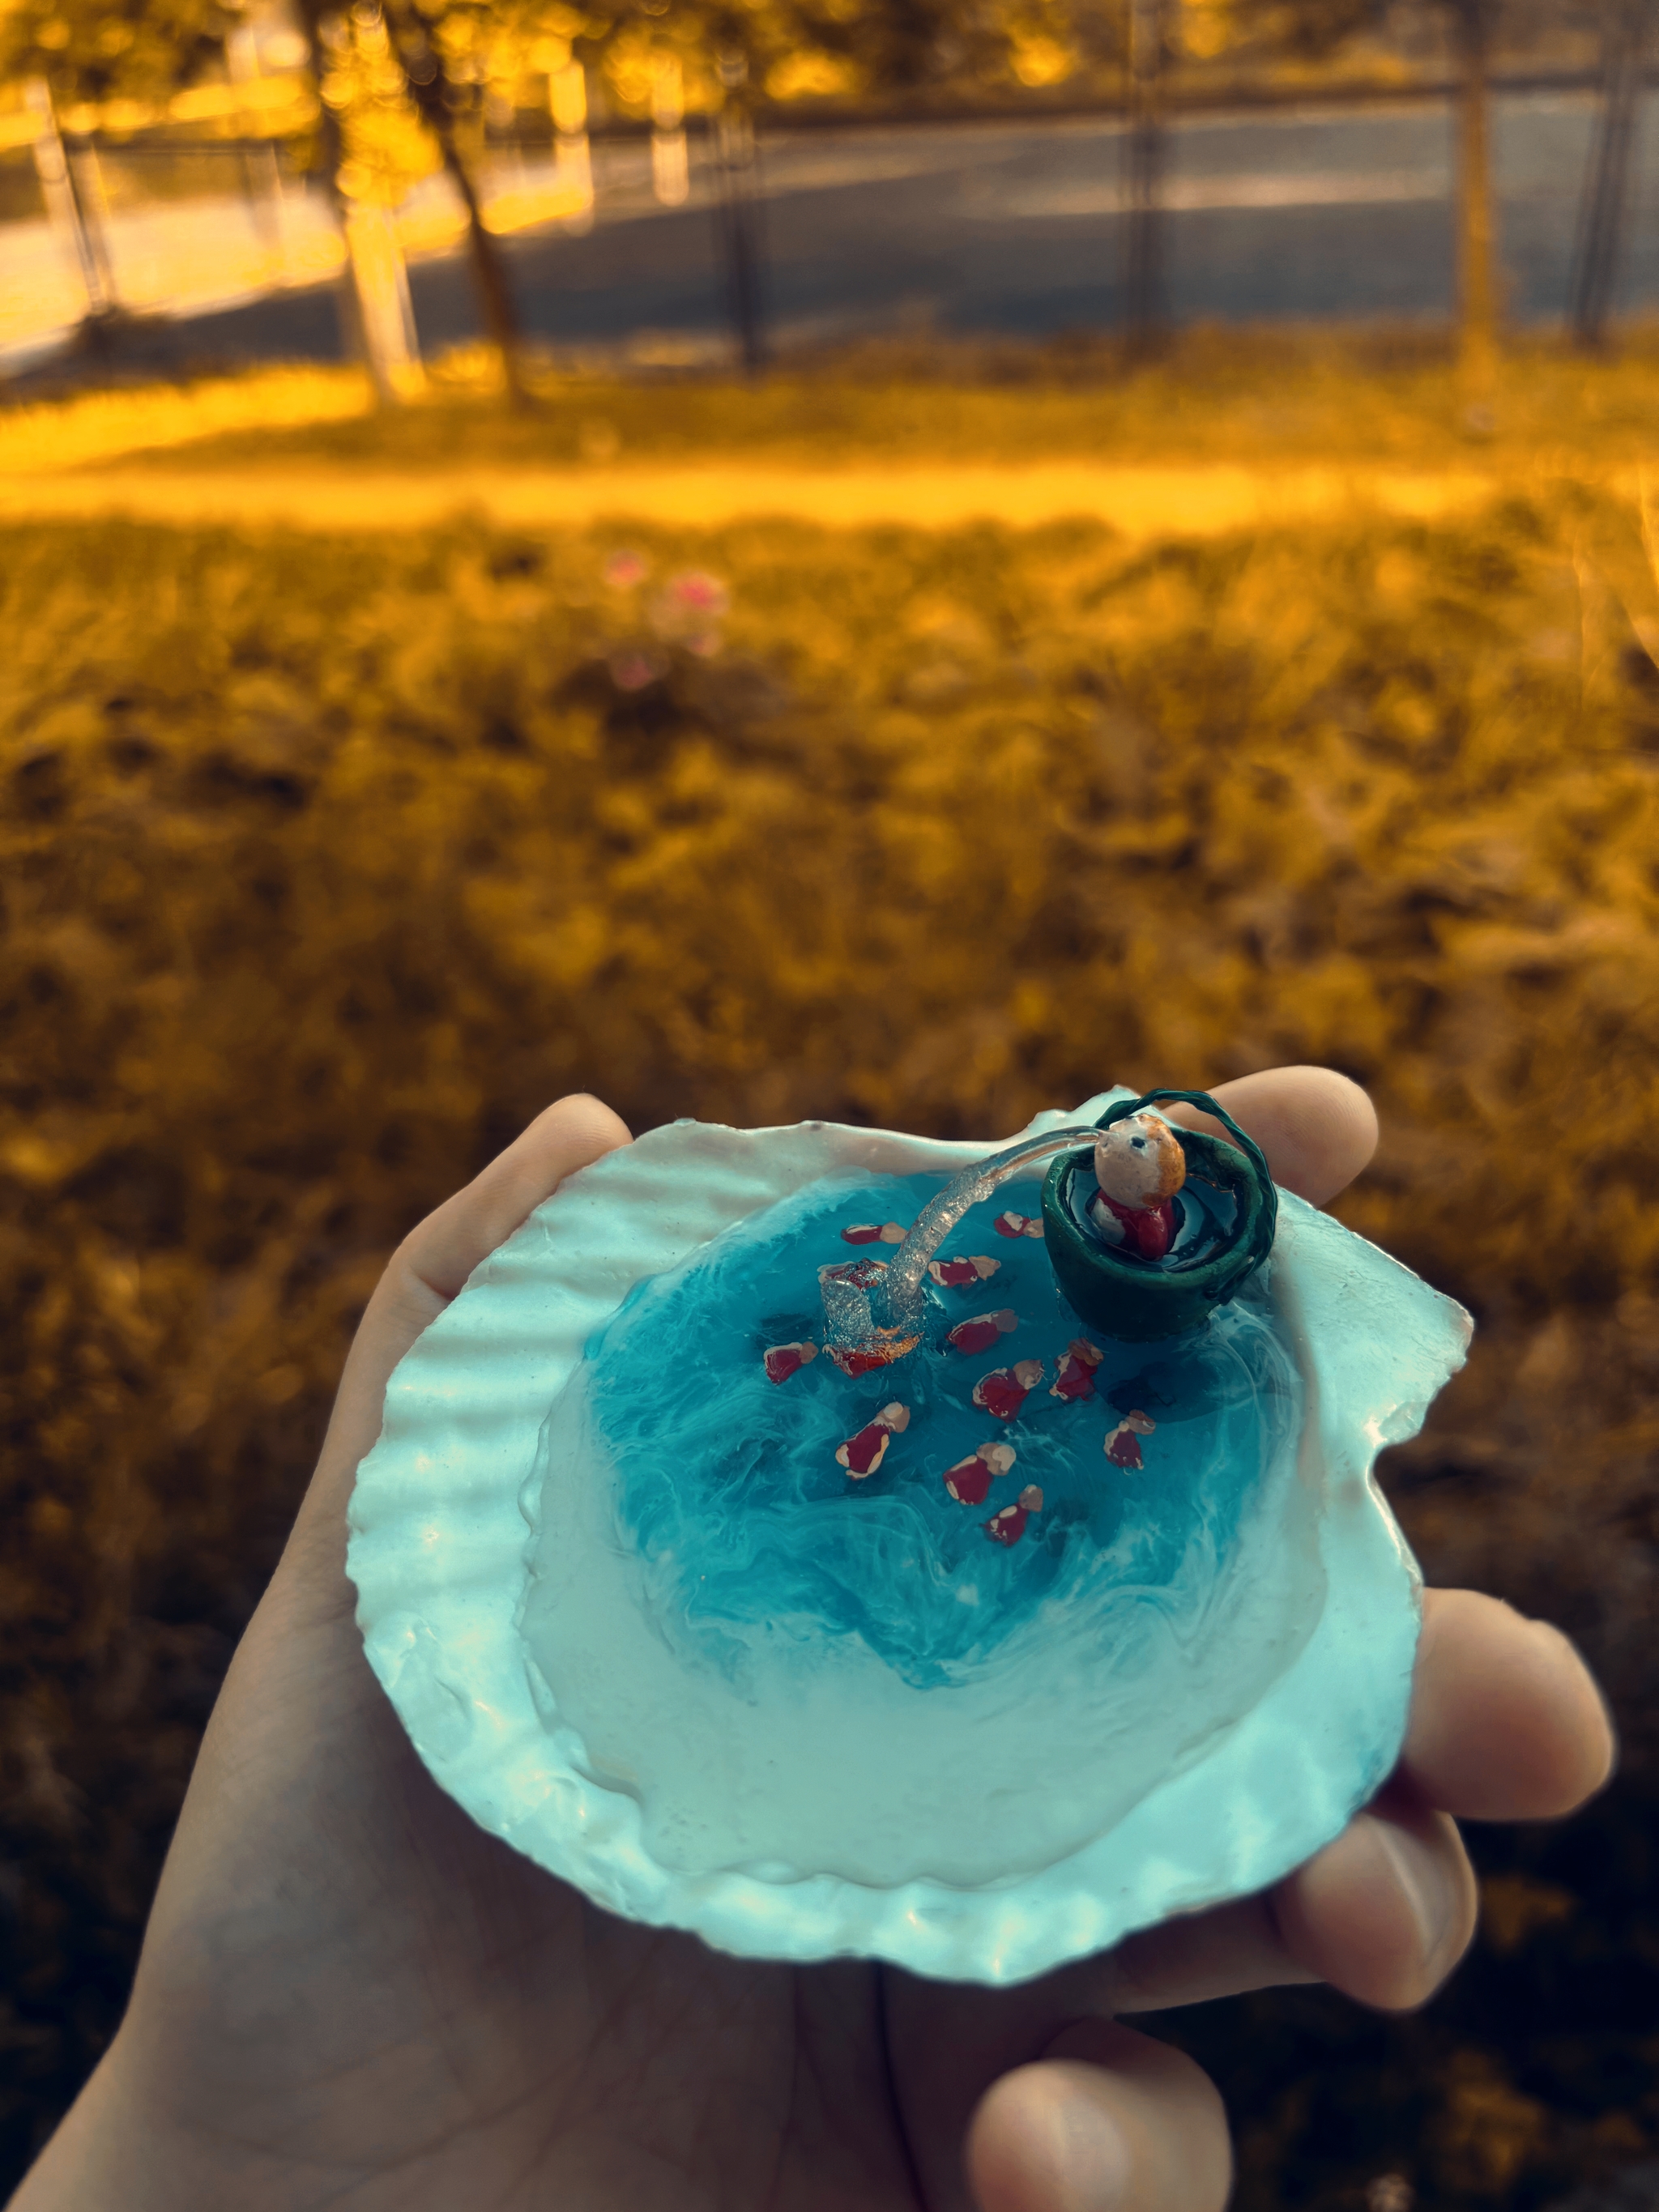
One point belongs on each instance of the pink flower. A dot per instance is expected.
(633, 671)
(697, 593)
(623, 570)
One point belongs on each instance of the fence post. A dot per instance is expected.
(1605, 199)
(262, 174)
(573, 170)
(64, 211)
(670, 168)
(1144, 306)
(737, 212)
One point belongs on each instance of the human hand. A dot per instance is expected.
(351, 1996)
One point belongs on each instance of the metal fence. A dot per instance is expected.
(683, 244)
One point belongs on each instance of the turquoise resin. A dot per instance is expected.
(1179, 1685)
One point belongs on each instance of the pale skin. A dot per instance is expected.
(350, 1996)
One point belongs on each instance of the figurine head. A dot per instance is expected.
(1139, 1161)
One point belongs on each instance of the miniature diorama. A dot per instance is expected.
(832, 1542)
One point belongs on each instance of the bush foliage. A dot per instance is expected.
(325, 863)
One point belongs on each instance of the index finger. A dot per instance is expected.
(1317, 1128)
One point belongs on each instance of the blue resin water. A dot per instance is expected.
(728, 1488)
(794, 1673)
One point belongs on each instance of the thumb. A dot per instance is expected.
(1105, 2121)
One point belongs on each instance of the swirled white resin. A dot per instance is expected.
(962, 1838)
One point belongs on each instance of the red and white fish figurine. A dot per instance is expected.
(1076, 1378)
(962, 1274)
(1004, 1389)
(863, 1454)
(874, 1232)
(1018, 1225)
(969, 1480)
(1139, 1167)
(982, 1331)
(783, 1360)
(1123, 1444)
(1009, 1526)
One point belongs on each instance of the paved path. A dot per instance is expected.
(1143, 502)
(1018, 229)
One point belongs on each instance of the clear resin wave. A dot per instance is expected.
(975, 1662)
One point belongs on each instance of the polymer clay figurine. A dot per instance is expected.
(863, 1454)
(1139, 1166)
(1008, 1526)
(1122, 1445)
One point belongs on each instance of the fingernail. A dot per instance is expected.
(1091, 2160)
(1426, 1883)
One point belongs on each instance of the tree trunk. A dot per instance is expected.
(358, 335)
(429, 89)
(501, 312)
(1477, 258)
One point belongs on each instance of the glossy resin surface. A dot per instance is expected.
(640, 1620)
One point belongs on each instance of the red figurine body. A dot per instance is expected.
(1004, 1389)
(1123, 1444)
(1009, 1526)
(969, 1480)
(1138, 1166)
(982, 1331)
(962, 1274)
(863, 1454)
(1076, 1378)
(783, 1360)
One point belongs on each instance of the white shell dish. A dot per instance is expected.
(1026, 1804)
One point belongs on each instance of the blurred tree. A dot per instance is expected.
(371, 149)
(839, 49)
(402, 95)
(443, 51)
(143, 51)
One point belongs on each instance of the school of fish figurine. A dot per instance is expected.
(1126, 1202)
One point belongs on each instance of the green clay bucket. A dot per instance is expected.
(1137, 1300)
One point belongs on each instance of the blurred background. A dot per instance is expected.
(898, 560)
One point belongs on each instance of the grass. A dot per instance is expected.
(324, 862)
(1388, 400)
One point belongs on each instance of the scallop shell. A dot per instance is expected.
(447, 1590)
